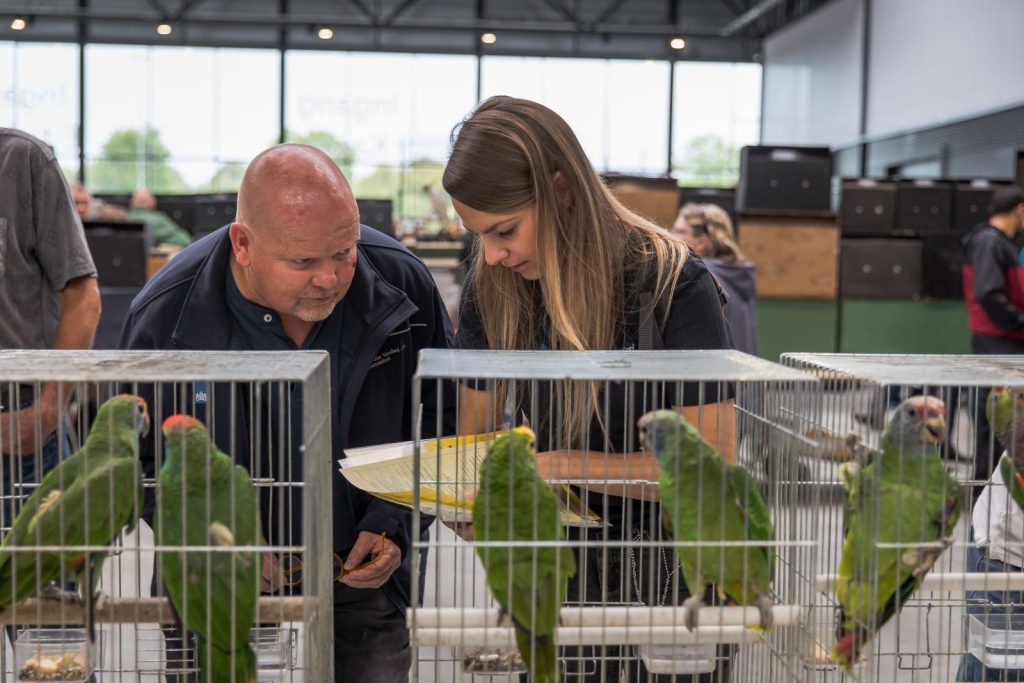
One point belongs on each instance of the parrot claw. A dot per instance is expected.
(692, 605)
(765, 605)
(52, 591)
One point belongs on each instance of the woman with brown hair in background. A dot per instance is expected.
(560, 264)
(707, 229)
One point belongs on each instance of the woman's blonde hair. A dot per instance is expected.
(713, 221)
(505, 157)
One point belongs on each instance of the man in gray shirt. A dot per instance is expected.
(49, 299)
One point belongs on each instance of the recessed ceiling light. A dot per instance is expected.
(488, 38)
(164, 29)
(19, 24)
(325, 33)
(677, 43)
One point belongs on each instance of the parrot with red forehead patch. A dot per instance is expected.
(205, 499)
(84, 501)
(902, 496)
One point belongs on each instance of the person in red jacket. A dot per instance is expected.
(994, 277)
(994, 291)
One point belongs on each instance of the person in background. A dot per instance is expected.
(49, 299)
(92, 209)
(994, 294)
(561, 264)
(165, 230)
(708, 230)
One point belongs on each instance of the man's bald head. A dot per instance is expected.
(290, 183)
(143, 199)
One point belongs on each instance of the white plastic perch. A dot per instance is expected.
(272, 609)
(599, 625)
(950, 582)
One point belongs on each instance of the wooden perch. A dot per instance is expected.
(272, 610)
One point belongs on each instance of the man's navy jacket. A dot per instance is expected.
(392, 310)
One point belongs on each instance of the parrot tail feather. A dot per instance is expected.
(539, 654)
(219, 666)
(847, 649)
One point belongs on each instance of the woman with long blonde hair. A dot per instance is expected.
(560, 264)
(707, 229)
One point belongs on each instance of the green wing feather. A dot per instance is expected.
(215, 593)
(79, 502)
(705, 499)
(529, 583)
(913, 504)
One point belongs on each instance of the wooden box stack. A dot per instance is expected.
(656, 199)
(796, 256)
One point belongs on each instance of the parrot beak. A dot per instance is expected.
(641, 425)
(935, 429)
(145, 425)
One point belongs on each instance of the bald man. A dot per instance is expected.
(297, 270)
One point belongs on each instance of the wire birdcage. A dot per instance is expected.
(964, 621)
(269, 413)
(622, 617)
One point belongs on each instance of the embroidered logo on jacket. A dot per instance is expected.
(385, 356)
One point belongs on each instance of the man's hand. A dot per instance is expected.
(24, 431)
(385, 559)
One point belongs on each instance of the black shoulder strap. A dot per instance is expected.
(649, 335)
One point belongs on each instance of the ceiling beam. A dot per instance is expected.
(186, 7)
(294, 19)
(364, 10)
(557, 5)
(155, 4)
(750, 16)
(611, 9)
(398, 11)
(733, 8)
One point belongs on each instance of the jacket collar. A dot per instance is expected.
(368, 302)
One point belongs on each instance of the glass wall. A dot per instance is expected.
(716, 111)
(386, 119)
(188, 120)
(39, 95)
(617, 108)
(177, 120)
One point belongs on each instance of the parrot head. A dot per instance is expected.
(918, 421)
(124, 410)
(185, 437)
(1005, 405)
(179, 427)
(514, 445)
(1005, 413)
(999, 409)
(519, 438)
(668, 434)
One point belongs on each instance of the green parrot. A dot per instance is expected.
(529, 583)
(704, 498)
(1005, 413)
(902, 496)
(204, 499)
(85, 500)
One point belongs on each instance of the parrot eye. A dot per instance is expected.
(912, 412)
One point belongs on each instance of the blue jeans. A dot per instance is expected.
(21, 473)
(984, 603)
